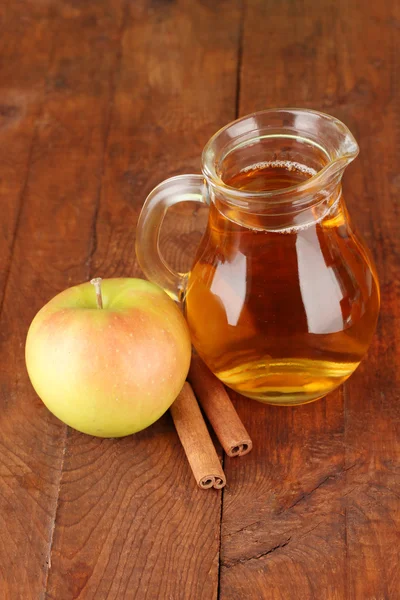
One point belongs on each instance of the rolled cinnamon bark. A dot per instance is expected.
(219, 409)
(196, 441)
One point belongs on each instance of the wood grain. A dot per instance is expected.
(51, 248)
(131, 523)
(22, 93)
(314, 511)
(100, 101)
(372, 396)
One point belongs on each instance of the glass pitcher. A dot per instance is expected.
(282, 298)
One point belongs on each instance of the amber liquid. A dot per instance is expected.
(281, 316)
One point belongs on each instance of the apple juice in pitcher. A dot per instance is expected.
(257, 293)
(282, 298)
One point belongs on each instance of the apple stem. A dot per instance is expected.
(97, 286)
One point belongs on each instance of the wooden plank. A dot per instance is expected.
(131, 523)
(22, 85)
(313, 511)
(372, 439)
(53, 242)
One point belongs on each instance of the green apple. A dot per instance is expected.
(109, 361)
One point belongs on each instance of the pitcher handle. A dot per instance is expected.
(181, 188)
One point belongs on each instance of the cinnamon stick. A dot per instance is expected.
(219, 409)
(196, 441)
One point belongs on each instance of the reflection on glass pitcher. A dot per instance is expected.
(282, 299)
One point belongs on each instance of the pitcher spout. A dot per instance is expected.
(340, 146)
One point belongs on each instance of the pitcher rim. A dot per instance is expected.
(349, 152)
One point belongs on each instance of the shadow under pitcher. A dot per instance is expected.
(282, 298)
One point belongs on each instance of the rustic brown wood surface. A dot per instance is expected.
(100, 100)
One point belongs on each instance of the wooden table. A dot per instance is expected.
(100, 100)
